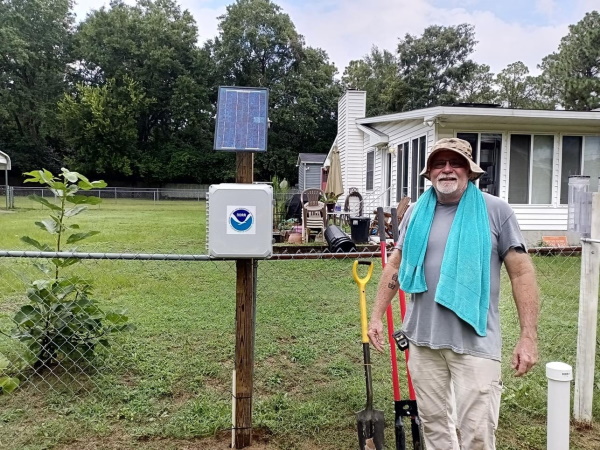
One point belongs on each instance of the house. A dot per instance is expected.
(528, 155)
(310, 170)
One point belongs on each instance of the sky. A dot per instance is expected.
(506, 30)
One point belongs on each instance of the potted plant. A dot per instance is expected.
(330, 199)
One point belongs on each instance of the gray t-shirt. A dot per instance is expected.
(429, 324)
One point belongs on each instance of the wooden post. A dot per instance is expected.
(245, 294)
(588, 319)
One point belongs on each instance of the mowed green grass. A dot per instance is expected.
(168, 384)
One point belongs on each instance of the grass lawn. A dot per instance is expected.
(167, 385)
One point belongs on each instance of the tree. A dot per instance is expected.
(147, 51)
(101, 127)
(34, 47)
(517, 89)
(258, 45)
(433, 66)
(572, 74)
(478, 86)
(376, 73)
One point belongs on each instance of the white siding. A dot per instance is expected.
(398, 132)
(351, 106)
(538, 217)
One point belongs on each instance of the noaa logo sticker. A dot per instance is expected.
(241, 220)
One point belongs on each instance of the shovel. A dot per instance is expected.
(369, 421)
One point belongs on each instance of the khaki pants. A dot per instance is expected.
(458, 398)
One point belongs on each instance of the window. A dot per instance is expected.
(580, 155)
(530, 179)
(402, 171)
(387, 176)
(417, 185)
(370, 170)
(591, 161)
(486, 151)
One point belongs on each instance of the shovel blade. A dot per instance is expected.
(370, 426)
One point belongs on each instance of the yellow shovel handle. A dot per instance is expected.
(362, 282)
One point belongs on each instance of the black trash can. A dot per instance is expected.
(338, 241)
(359, 229)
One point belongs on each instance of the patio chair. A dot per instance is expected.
(314, 213)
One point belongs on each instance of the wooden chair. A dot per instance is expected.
(314, 213)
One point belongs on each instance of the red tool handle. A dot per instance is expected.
(389, 312)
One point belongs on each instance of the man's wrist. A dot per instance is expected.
(529, 334)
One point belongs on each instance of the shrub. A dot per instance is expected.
(62, 321)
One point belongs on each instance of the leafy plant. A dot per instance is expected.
(329, 197)
(7, 383)
(62, 321)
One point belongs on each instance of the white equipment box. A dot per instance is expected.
(240, 220)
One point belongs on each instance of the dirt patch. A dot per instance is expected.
(222, 441)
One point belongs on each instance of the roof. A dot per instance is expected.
(376, 137)
(4, 161)
(458, 114)
(311, 158)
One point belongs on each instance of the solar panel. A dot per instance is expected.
(242, 119)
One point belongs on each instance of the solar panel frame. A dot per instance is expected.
(242, 120)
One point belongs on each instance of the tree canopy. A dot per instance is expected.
(141, 92)
(572, 75)
(35, 38)
(433, 65)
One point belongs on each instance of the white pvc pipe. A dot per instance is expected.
(559, 405)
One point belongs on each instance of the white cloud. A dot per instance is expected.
(349, 32)
(206, 19)
(546, 7)
(347, 29)
(501, 43)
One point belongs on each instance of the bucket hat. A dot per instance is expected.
(459, 146)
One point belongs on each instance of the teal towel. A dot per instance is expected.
(464, 285)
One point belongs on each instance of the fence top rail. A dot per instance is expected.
(83, 255)
(594, 241)
(117, 189)
(177, 257)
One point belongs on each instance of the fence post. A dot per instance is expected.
(588, 318)
(244, 328)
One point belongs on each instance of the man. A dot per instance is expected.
(452, 244)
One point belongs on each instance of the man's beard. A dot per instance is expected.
(447, 186)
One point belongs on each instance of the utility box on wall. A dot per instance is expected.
(240, 220)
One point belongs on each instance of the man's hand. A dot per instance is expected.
(525, 356)
(376, 335)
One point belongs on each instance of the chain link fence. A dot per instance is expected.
(120, 278)
(18, 195)
(149, 337)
